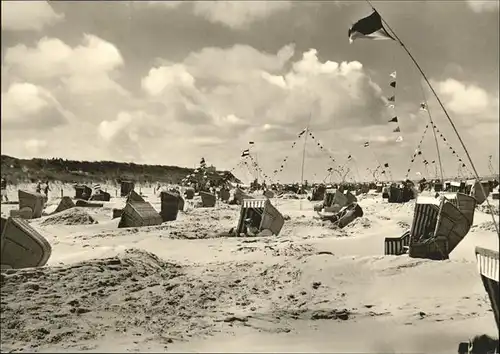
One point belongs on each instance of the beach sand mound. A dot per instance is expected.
(136, 292)
(485, 209)
(73, 216)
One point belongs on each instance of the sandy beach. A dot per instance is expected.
(181, 287)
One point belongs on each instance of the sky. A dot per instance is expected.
(171, 82)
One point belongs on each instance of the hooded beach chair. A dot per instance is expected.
(138, 214)
(169, 206)
(22, 246)
(437, 228)
(65, 204)
(83, 192)
(189, 193)
(126, 187)
(208, 199)
(489, 264)
(101, 196)
(477, 192)
(34, 201)
(261, 215)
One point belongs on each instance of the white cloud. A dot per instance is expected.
(483, 5)
(159, 79)
(28, 15)
(232, 14)
(466, 99)
(25, 105)
(238, 14)
(84, 69)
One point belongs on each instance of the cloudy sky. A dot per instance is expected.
(171, 82)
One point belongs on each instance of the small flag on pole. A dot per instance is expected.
(423, 106)
(391, 99)
(394, 120)
(251, 142)
(399, 139)
(369, 27)
(349, 157)
(245, 153)
(386, 165)
(367, 144)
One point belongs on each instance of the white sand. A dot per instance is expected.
(206, 293)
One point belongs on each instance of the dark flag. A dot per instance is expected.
(391, 99)
(349, 157)
(393, 84)
(369, 27)
(245, 153)
(250, 142)
(394, 120)
(367, 144)
(386, 165)
(397, 130)
(423, 106)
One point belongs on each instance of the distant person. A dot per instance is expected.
(46, 188)
(4, 189)
(39, 187)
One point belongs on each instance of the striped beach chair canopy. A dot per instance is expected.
(488, 266)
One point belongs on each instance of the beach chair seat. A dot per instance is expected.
(22, 246)
(397, 246)
(138, 214)
(261, 214)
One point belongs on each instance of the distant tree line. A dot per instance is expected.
(71, 171)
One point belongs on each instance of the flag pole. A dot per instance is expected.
(434, 132)
(304, 157)
(476, 174)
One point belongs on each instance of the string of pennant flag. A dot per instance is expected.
(452, 150)
(417, 151)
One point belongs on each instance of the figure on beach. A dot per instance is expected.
(4, 189)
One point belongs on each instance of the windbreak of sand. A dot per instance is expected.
(182, 287)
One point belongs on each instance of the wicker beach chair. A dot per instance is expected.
(437, 228)
(22, 246)
(169, 206)
(261, 214)
(82, 192)
(34, 201)
(138, 214)
(126, 187)
(208, 199)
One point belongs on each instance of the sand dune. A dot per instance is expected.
(181, 286)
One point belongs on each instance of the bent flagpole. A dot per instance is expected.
(370, 28)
